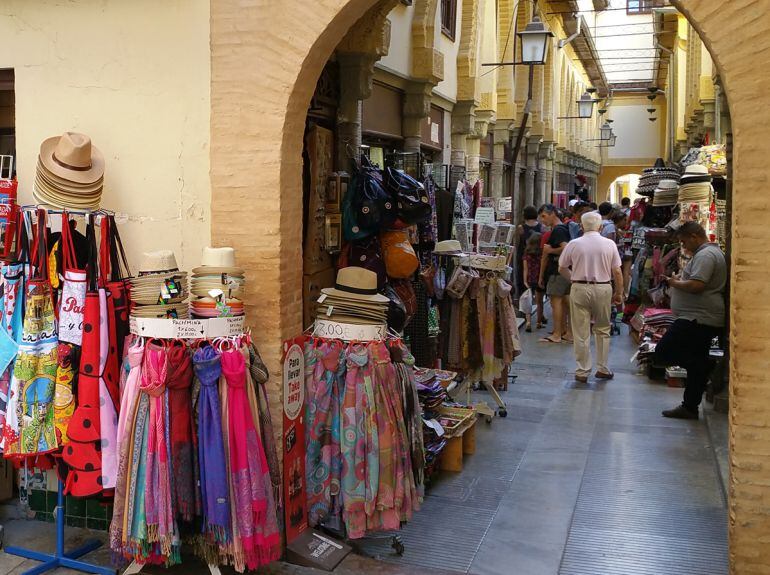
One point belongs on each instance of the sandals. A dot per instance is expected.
(549, 339)
(528, 329)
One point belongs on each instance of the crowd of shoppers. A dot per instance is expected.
(580, 258)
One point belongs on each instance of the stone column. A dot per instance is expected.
(518, 193)
(356, 72)
(463, 124)
(543, 185)
(533, 146)
(416, 111)
(502, 136)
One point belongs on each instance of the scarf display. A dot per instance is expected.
(252, 506)
(360, 455)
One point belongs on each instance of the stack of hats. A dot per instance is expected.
(652, 177)
(218, 284)
(666, 194)
(159, 291)
(70, 173)
(353, 299)
(695, 185)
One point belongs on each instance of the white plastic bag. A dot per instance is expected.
(525, 302)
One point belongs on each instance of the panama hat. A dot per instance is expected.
(357, 284)
(158, 262)
(695, 173)
(72, 157)
(449, 248)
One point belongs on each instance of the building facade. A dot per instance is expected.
(203, 124)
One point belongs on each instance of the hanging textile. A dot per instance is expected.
(30, 425)
(11, 326)
(252, 503)
(215, 499)
(181, 431)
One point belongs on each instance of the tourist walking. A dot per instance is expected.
(556, 287)
(592, 264)
(523, 232)
(698, 303)
(532, 256)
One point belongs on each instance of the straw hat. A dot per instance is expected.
(218, 261)
(73, 158)
(449, 248)
(357, 284)
(695, 173)
(158, 262)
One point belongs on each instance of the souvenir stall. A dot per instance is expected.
(112, 388)
(670, 200)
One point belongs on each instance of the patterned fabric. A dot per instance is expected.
(109, 398)
(412, 413)
(211, 452)
(66, 377)
(12, 307)
(128, 405)
(322, 437)
(360, 448)
(252, 503)
(181, 432)
(30, 428)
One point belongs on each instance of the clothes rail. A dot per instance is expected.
(60, 558)
(50, 210)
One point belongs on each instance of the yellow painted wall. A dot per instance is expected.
(610, 173)
(82, 66)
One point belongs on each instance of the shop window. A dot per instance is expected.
(448, 18)
(635, 7)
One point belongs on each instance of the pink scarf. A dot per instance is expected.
(252, 502)
(160, 520)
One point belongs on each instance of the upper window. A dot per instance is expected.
(448, 17)
(639, 6)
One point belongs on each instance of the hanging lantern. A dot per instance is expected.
(534, 39)
(612, 141)
(652, 119)
(605, 131)
(585, 105)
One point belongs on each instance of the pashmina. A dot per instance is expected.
(181, 431)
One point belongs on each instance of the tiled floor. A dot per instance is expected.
(577, 480)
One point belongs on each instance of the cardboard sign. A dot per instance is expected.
(349, 331)
(294, 488)
(187, 328)
(504, 204)
(314, 549)
(485, 215)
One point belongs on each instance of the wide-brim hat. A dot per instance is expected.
(355, 320)
(356, 283)
(667, 185)
(203, 271)
(72, 157)
(60, 198)
(178, 310)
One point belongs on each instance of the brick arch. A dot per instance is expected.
(737, 35)
(265, 60)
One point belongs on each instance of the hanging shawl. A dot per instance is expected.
(128, 408)
(160, 520)
(259, 375)
(249, 477)
(181, 431)
(211, 451)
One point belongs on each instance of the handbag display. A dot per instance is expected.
(73, 295)
(366, 254)
(400, 259)
(412, 201)
(405, 291)
(397, 316)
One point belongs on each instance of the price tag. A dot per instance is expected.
(485, 215)
(189, 328)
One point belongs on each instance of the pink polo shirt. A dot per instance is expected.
(591, 257)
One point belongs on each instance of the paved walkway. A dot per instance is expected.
(577, 480)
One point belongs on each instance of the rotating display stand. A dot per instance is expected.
(60, 558)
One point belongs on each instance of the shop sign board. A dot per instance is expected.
(504, 204)
(294, 488)
(348, 331)
(485, 215)
(187, 328)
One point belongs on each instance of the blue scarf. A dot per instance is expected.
(211, 450)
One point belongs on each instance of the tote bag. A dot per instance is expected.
(73, 295)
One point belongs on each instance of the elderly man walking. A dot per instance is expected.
(592, 264)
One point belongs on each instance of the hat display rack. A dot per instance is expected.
(97, 320)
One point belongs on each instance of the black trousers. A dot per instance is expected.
(686, 344)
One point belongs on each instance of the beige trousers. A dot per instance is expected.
(589, 301)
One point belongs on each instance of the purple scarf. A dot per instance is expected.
(211, 451)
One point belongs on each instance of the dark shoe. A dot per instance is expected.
(604, 375)
(581, 378)
(680, 412)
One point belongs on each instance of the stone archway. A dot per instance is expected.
(265, 60)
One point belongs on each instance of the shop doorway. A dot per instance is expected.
(279, 138)
(622, 187)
